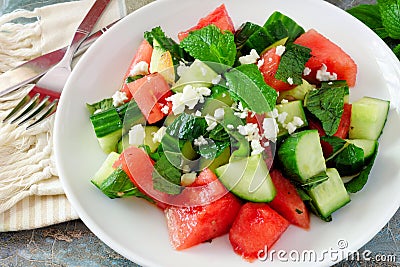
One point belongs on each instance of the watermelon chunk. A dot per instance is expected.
(256, 227)
(189, 226)
(324, 51)
(219, 17)
(269, 68)
(288, 202)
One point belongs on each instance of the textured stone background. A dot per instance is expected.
(72, 244)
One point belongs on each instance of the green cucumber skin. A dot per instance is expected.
(368, 147)
(253, 166)
(105, 169)
(331, 195)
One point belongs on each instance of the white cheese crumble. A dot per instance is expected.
(273, 114)
(270, 128)
(165, 109)
(136, 135)
(290, 80)
(290, 127)
(230, 126)
(181, 69)
(306, 71)
(250, 58)
(197, 113)
(188, 178)
(216, 80)
(280, 49)
(324, 75)
(140, 68)
(189, 97)
(250, 131)
(260, 63)
(284, 101)
(211, 122)
(186, 169)
(219, 114)
(157, 136)
(256, 147)
(200, 141)
(119, 98)
(282, 117)
(240, 111)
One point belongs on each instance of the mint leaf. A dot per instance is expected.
(327, 104)
(292, 63)
(349, 161)
(177, 53)
(371, 17)
(358, 182)
(210, 44)
(247, 84)
(187, 127)
(166, 177)
(280, 26)
(101, 105)
(337, 144)
(390, 13)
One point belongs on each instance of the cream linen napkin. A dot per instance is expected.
(31, 195)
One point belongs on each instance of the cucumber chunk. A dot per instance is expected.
(330, 195)
(105, 170)
(198, 74)
(301, 155)
(293, 109)
(368, 117)
(368, 147)
(248, 178)
(297, 93)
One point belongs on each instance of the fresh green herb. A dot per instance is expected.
(166, 43)
(350, 160)
(209, 44)
(327, 104)
(100, 106)
(358, 182)
(280, 26)
(187, 127)
(118, 185)
(384, 19)
(292, 63)
(247, 84)
(299, 211)
(166, 177)
(314, 181)
(337, 144)
(244, 32)
(130, 79)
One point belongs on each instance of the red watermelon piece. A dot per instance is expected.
(269, 68)
(288, 202)
(192, 225)
(219, 17)
(256, 227)
(324, 51)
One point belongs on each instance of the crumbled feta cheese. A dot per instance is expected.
(270, 128)
(260, 63)
(181, 69)
(290, 80)
(280, 49)
(324, 75)
(223, 94)
(290, 127)
(216, 80)
(297, 121)
(256, 147)
(197, 113)
(97, 111)
(273, 114)
(284, 101)
(200, 141)
(250, 58)
(306, 71)
(219, 114)
(188, 178)
(242, 112)
(140, 68)
(136, 135)
(211, 122)
(119, 98)
(282, 117)
(165, 109)
(250, 130)
(157, 136)
(189, 97)
(230, 126)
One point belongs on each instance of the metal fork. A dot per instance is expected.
(42, 99)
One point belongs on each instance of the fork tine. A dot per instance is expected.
(29, 115)
(45, 113)
(26, 104)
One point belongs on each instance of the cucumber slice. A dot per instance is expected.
(368, 147)
(222, 159)
(293, 109)
(198, 74)
(301, 155)
(248, 178)
(106, 169)
(329, 195)
(148, 139)
(368, 117)
(297, 93)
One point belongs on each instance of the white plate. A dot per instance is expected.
(136, 229)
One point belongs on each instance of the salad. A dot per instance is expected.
(238, 131)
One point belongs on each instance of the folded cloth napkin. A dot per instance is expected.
(31, 195)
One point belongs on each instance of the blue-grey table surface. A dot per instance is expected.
(73, 244)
